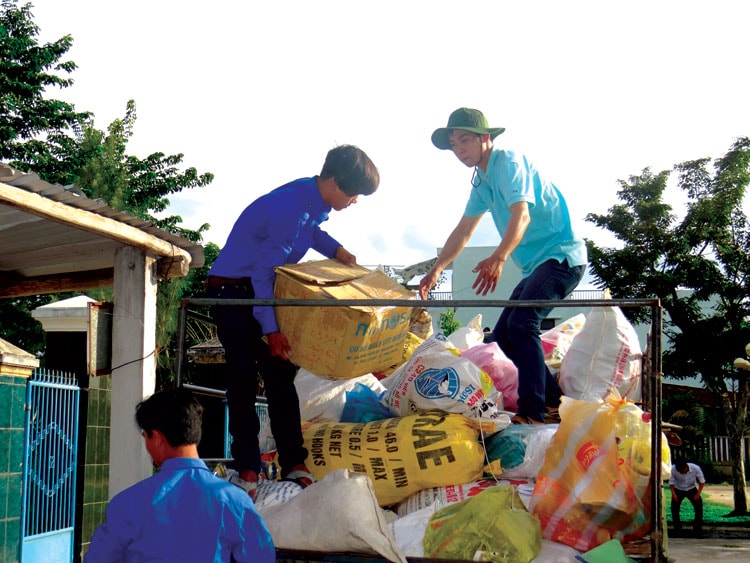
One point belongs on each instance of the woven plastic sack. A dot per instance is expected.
(337, 514)
(437, 377)
(401, 455)
(324, 399)
(557, 340)
(438, 497)
(493, 526)
(604, 356)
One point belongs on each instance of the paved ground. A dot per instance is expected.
(707, 550)
(731, 546)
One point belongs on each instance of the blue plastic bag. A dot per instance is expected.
(364, 405)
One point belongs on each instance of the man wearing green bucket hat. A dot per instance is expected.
(532, 218)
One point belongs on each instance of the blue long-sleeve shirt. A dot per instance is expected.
(277, 228)
(182, 513)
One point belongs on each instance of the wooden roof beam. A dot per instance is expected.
(93, 223)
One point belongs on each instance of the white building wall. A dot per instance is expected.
(463, 278)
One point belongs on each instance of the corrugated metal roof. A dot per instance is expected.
(75, 234)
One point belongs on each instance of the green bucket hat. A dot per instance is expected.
(467, 119)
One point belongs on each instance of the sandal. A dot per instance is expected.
(552, 416)
(300, 475)
(248, 485)
(523, 419)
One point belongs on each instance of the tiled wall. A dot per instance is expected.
(96, 470)
(12, 398)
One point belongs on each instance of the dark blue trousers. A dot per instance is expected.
(518, 329)
(248, 358)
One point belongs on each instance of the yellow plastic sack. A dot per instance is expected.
(401, 455)
(586, 493)
(493, 525)
(634, 441)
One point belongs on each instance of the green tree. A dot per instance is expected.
(63, 146)
(141, 188)
(698, 267)
(17, 326)
(36, 132)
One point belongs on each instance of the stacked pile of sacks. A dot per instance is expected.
(424, 462)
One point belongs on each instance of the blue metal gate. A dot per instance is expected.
(49, 468)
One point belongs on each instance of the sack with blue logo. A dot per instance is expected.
(438, 377)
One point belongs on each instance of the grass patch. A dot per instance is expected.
(714, 513)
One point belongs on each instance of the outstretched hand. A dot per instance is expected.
(278, 345)
(427, 283)
(489, 272)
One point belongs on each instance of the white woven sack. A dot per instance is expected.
(338, 513)
(604, 356)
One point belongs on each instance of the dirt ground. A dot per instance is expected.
(720, 493)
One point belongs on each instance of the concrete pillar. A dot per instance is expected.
(133, 364)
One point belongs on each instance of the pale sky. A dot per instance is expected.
(257, 93)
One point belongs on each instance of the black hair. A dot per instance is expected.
(176, 413)
(354, 172)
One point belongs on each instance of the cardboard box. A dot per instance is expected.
(341, 342)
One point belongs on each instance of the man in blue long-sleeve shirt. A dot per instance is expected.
(277, 228)
(183, 512)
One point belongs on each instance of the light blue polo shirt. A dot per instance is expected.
(511, 178)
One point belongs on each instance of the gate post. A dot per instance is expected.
(16, 366)
(133, 364)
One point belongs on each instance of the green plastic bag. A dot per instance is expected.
(608, 552)
(494, 523)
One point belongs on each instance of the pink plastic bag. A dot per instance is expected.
(496, 364)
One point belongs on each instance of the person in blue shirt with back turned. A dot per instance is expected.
(183, 512)
(277, 228)
(531, 215)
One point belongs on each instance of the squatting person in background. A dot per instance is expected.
(686, 482)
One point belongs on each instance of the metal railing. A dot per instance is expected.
(576, 295)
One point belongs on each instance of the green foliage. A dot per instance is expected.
(697, 266)
(697, 422)
(35, 132)
(17, 326)
(139, 186)
(448, 322)
(51, 138)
